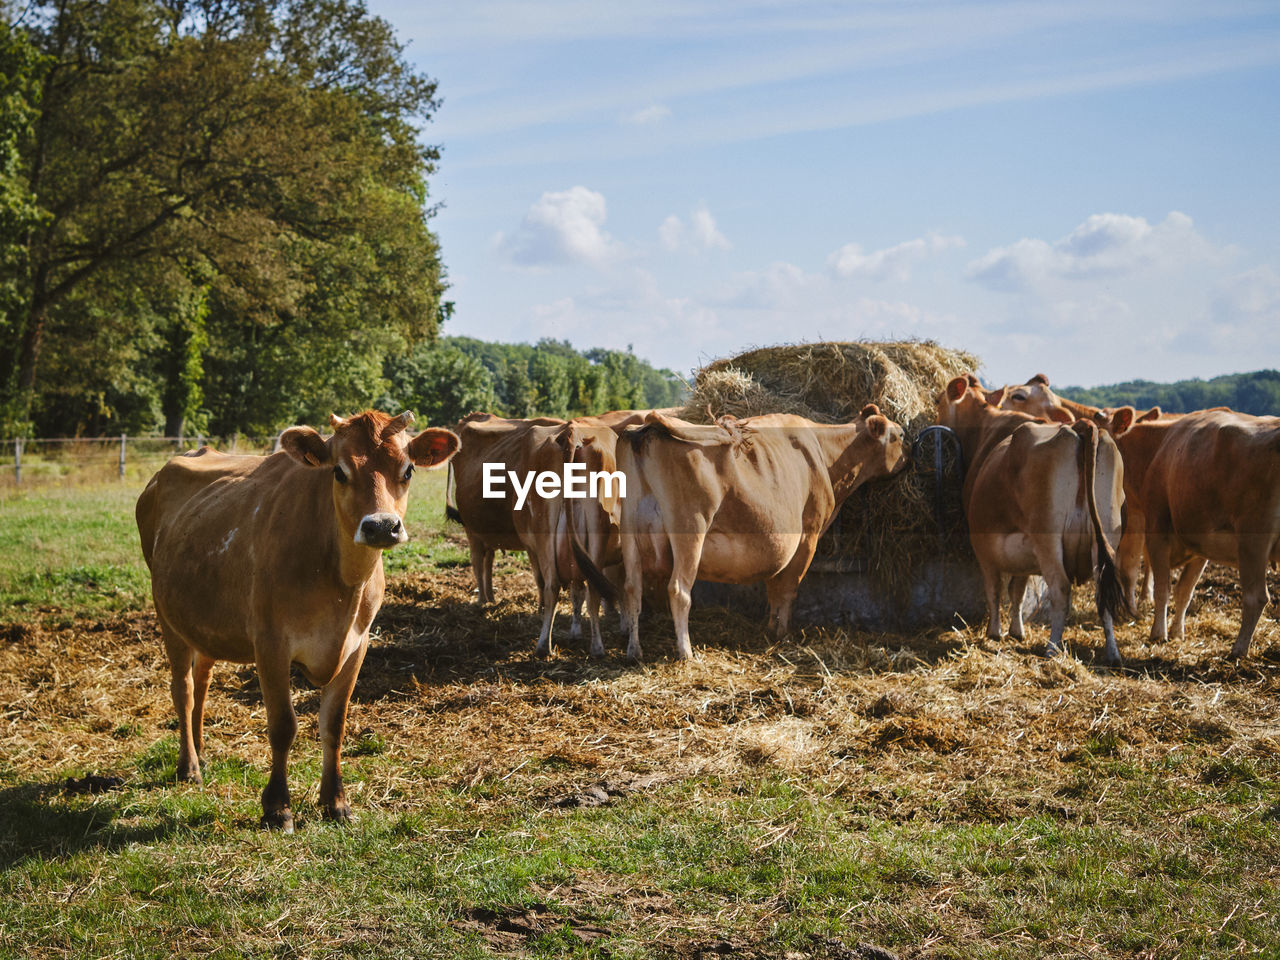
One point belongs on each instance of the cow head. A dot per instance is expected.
(372, 459)
(1033, 397)
(891, 453)
(960, 398)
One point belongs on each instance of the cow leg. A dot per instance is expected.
(488, 575)
(633, 595)
(200, 672)
(1129, 566)
(993, 582)
(282, 727)
(1254, 554)
(577, 592)
(549, 591)
(1017, 592)
(1187, 581)
(1158, 553)
(333, 723)
(1048, 551)
(593, 612)
(477, 568)
(538, 579)
(1059, 605)
(686, 553)
(182, 689)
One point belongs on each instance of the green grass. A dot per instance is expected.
(76, 548)
(460, 850)
(159, 865)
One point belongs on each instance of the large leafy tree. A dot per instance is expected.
(259, 156)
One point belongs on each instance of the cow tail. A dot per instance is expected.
(450, 510)
(1110, 594)
(595, 576)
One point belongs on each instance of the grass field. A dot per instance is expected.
(836, 796)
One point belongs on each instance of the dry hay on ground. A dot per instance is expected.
(891, 526)
(942, 725)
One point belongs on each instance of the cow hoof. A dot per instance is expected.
(281, 820)
(542, 653)
(190, 775)
(342, 815)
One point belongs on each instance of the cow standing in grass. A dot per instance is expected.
(275, 561)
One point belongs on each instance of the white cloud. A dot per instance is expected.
(892, 263)
(1239, 309)
(654, 113)
(1106, 244)
(1251, 298)
(561, 228)
(701, 232)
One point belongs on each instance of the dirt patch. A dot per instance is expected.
(508, 932)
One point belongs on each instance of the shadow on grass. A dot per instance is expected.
(41, 821)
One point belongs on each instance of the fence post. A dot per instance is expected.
(17, 461)
(123, 439)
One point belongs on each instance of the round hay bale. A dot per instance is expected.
(888, 528)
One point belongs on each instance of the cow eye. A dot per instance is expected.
(408, 473)
(339, 475)
(1019, 396)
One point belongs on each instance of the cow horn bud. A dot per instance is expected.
(398, 424)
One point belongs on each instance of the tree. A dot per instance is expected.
(273, 145)
(439, 383)
(19, 213)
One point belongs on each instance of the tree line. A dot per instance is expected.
(444, 380)
(1257, 393)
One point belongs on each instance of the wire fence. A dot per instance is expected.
(81, 460)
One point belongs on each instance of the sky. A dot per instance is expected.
(1086, 189)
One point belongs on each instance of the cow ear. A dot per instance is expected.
(433, 446)
(869, 411)
(1152, 414)
(1039, 378)
(1121, 420)
(305, 446)
(957, 387)
(996, 397)
(877, 426)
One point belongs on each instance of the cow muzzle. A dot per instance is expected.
(381, 530)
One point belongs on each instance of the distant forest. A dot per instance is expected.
(1257, 393)
(444, 380)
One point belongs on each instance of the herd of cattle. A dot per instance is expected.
(277, 560)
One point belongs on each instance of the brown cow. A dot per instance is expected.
(1138, 437)
(1040, 498)
(489, 522)
(1210, 491)
(275, 561)
(544, 525)
(1036, 398)
(737, 502)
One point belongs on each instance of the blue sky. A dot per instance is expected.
(1086, 189)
